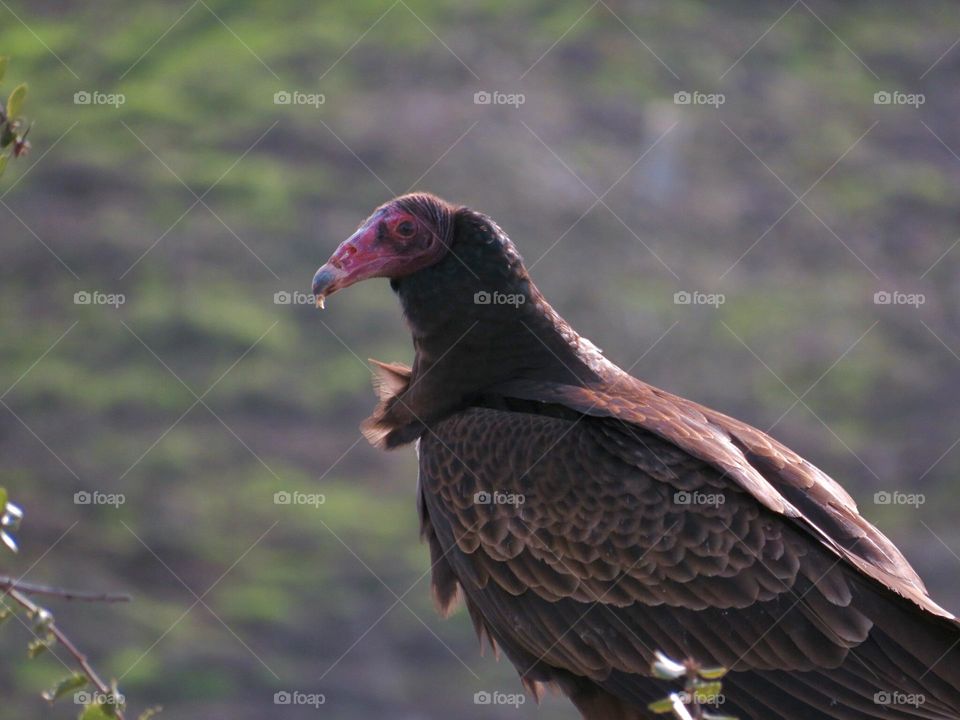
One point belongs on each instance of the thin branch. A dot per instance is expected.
(34, 609)
(8, 584)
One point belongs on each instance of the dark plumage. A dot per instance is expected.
(647, 522)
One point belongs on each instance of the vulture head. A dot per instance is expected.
(475, 316)
(402, 236)
(443, 260)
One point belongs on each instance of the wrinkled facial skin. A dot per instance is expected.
(392, 243)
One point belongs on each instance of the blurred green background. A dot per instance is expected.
(199, 198)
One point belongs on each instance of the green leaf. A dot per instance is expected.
(712, 673)
(64, 686)
(661, 706)
(93, 712)
(3, 163)
(112, 702)
(715, 716)
(704, 692)
(3, 497)
(15, 101)
(671, 704)
(35, 647)
(3, 66)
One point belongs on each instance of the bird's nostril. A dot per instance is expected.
(343, 256)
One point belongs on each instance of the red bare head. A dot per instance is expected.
(402, 236)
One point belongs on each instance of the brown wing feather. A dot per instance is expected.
(596, 528)
(773, 474)
(606, 559)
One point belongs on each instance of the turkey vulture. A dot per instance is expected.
(588, 519)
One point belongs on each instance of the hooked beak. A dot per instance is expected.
(357, 258)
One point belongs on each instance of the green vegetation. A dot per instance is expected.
(13, 134)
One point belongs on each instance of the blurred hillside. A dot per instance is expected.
(199, 199)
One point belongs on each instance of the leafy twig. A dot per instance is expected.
(12, 132)
(108, 703)
(701, 689)
(36, 611)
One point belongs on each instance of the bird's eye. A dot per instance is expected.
(406, 228)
